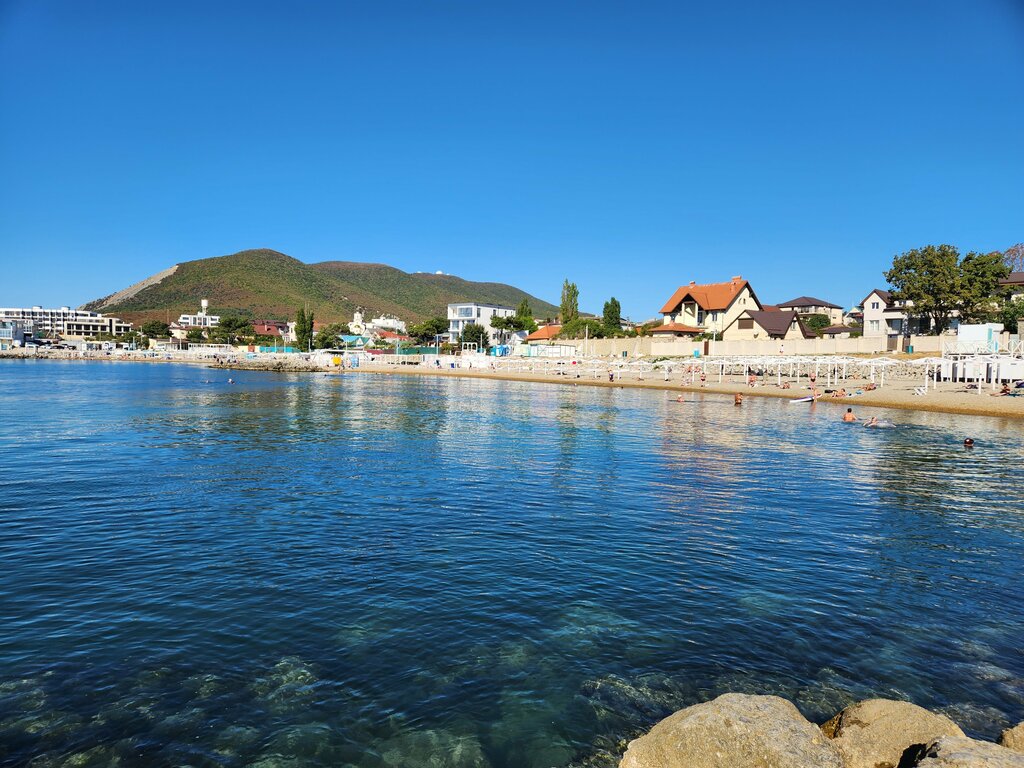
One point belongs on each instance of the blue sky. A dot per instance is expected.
(630, 147)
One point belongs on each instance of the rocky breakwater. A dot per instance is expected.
(742, 731)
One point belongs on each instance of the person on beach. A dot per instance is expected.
(703, 379)
(848, 416)
(752, 381)
(1005, 390)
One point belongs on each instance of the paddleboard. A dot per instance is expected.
(808, 399)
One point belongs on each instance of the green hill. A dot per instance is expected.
(267, 284)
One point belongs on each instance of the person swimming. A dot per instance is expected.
(969, 442)
(848, 416)
(737, 399)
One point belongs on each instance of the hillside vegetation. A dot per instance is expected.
(267, 284)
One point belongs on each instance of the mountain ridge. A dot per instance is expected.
(264, 283)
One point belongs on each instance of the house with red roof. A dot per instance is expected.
(545, 335)
(707, 308)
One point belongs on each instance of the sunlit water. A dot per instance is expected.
(300, 570)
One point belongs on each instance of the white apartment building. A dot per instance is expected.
(199, 320)
(461, 315)
(64, 322)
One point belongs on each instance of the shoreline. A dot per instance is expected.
(948, 397)
(895, 395)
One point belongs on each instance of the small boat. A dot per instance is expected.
(808, 399)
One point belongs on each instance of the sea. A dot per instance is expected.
(405, 571)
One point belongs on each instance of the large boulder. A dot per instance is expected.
(954, 752)
(875, 733)
(734, 731)
(1013, 738)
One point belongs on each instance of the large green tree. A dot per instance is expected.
(428, 331)
(980, 291)
(570, 307)
(583, 328)
(195, 335)
(474, 333)
(231, 330)
(930, 277)
(612, 315)
(155, 329)
(303, 329)
(328, 337)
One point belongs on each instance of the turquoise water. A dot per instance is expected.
(405, 571)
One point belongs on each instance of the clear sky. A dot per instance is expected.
(630, 147)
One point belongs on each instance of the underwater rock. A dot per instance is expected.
(288, 686)
(432, 749)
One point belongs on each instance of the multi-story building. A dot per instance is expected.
(884, 316)
(461, 315)
(708, 308)
(64, 322)
(808, 305)
(12, 334)
(201, 319)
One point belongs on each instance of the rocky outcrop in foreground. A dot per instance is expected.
(742, 731)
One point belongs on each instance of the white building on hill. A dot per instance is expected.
(461, 315)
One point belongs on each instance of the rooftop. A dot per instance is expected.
(808, 301)
(709, 296)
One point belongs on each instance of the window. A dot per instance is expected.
(873, 325)
(745, 323)
(465, 312)
(700, 317)
(874, 305)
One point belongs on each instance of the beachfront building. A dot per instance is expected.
(462, 314)
(761, 324)
(64, 322)
(12, 334)
(270, 328)
(544, 335)
(884, 316)
(808, 305)
(708, 308)
(202, 319)
(1015, 282)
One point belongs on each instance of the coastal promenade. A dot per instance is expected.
(899, 390)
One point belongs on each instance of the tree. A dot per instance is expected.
(329, 336)
(583, 328)
(195, 335)
(155, 329)
(232, 329)
(816, 323)
(1011, 315)
(475, 333)
(930, 277)
(612, 315)
(304, 329)
(1013, 257)
(980, 291)
(570, 306)
(428, 331)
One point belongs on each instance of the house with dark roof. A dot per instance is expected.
(885, 316)
(706, 308)
(808, 305)
(759, 324)
(1015, 281)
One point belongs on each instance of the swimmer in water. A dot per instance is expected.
(968, 443)
(872, 422)
(231, 381)
(737, 399)
(848, 416)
